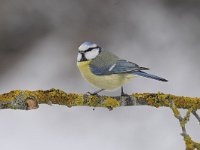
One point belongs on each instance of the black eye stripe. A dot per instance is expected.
(89, 49)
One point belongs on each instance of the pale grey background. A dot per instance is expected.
(38, 48)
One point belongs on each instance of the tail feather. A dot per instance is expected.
(144, 68)
(144, 74)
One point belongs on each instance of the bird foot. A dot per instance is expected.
(125, 95)
(128, 99)
(96, 93)
(93, 94)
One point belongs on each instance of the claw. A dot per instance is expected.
(125, 95)
(95, 93)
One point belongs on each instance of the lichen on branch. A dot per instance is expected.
(26, 100)
(189, 143)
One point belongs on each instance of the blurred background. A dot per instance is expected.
(38, 50)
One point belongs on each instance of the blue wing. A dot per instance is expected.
(123, 66)
(119, 67)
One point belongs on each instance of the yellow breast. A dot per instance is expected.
(107, 82)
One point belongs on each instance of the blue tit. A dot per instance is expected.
(105, 70)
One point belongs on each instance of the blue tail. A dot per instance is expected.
(144, 74)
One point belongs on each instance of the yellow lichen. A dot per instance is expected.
(176, 112)
(110, 103)
(29, 99)
(74, 99)
(160, 99)
(93, 101)
(190, 145)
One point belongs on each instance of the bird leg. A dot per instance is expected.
(122, 92)
(128, 99)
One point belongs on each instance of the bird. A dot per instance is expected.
(106, 71)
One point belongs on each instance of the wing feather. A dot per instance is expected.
(119, 67)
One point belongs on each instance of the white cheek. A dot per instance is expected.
(79, 57)
(91, 54)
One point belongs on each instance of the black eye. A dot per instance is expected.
(89, 49)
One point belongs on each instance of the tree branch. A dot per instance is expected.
(190, 144)
(196, 115)
(27, 100)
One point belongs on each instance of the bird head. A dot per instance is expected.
(88, 51)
